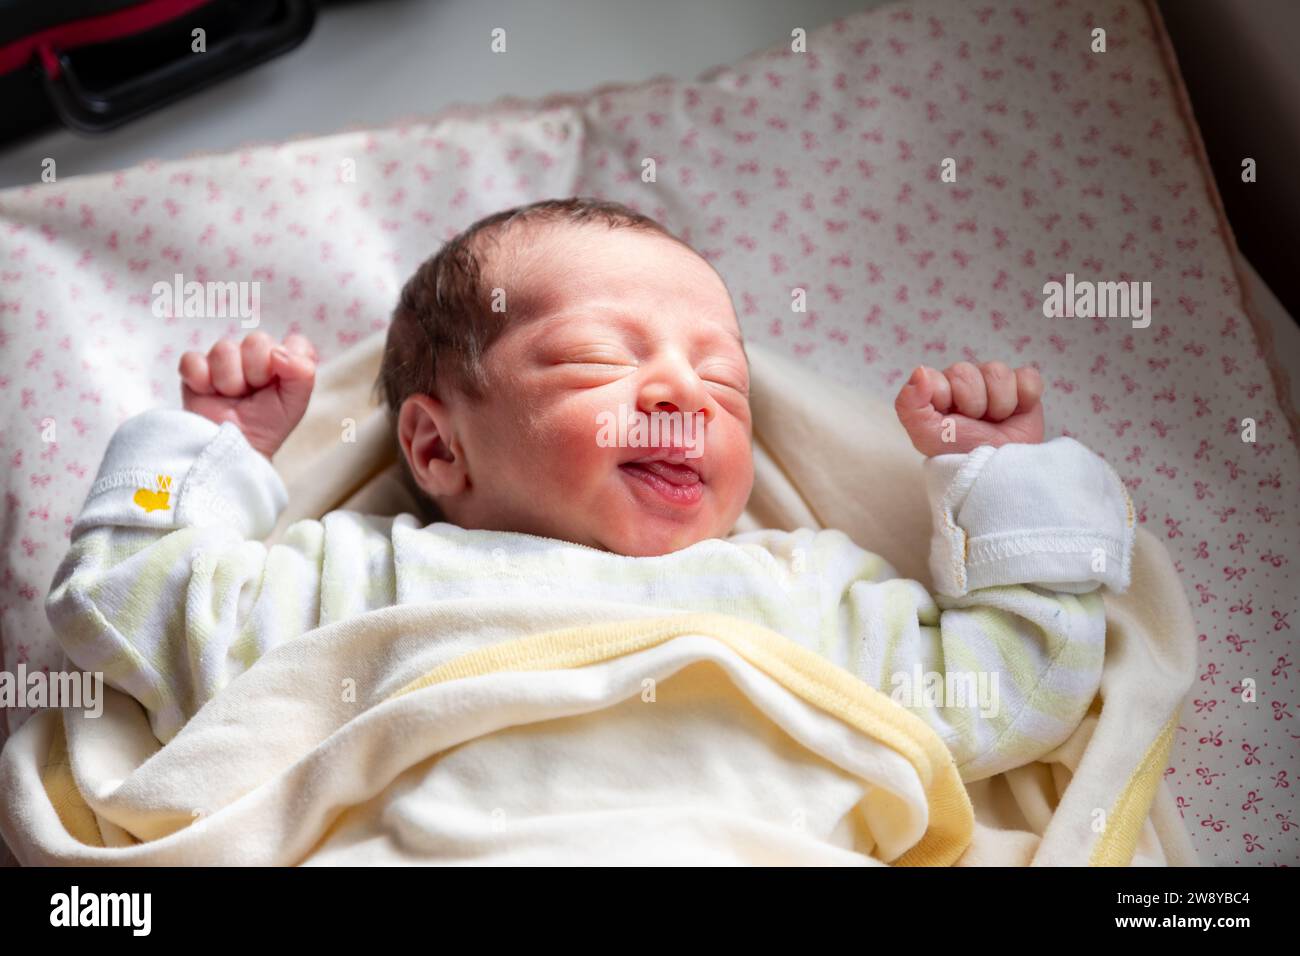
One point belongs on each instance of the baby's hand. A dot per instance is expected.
(958, 410)
(260, 386)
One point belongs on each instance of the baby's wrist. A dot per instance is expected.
(264, 444)
(957, 448)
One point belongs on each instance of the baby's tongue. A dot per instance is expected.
(676, 474)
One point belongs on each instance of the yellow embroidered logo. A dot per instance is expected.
(151, 499)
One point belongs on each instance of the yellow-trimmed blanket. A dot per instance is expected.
(554, 731)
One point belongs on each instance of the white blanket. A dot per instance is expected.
(314, 755)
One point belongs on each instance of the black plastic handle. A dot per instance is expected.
(102, 110)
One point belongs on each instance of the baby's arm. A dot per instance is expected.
(167, 587)
(1024, 535)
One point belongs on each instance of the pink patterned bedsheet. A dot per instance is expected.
(816, 170)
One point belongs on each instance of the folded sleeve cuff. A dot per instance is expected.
(1054, 514)
(169, 468)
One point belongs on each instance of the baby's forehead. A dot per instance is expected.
(545, 267)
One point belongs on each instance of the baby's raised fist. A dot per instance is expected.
(965, 406)
(261, 386)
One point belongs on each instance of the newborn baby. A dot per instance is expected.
(505, 351)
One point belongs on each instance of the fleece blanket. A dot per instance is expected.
(688, 739)
(522, 732)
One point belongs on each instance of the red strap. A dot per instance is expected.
(88, 30)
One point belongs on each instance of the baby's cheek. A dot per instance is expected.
(574, 446)
(733, 469)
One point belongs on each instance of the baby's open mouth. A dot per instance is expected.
(668, 474)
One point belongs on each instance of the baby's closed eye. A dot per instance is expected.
(725, 375)
(593, 353)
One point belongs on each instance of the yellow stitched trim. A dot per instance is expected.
(958, 567)
(1118, 842)
(951, 822)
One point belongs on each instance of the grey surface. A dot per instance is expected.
(371, 63)
(1242, 75)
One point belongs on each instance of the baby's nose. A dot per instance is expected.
(672, 408)
(673, 388)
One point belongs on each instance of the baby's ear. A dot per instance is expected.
(424, 435)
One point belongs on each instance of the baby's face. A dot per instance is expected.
(618, 317)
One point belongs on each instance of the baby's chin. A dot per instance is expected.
(651, 540)
(655, 549)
